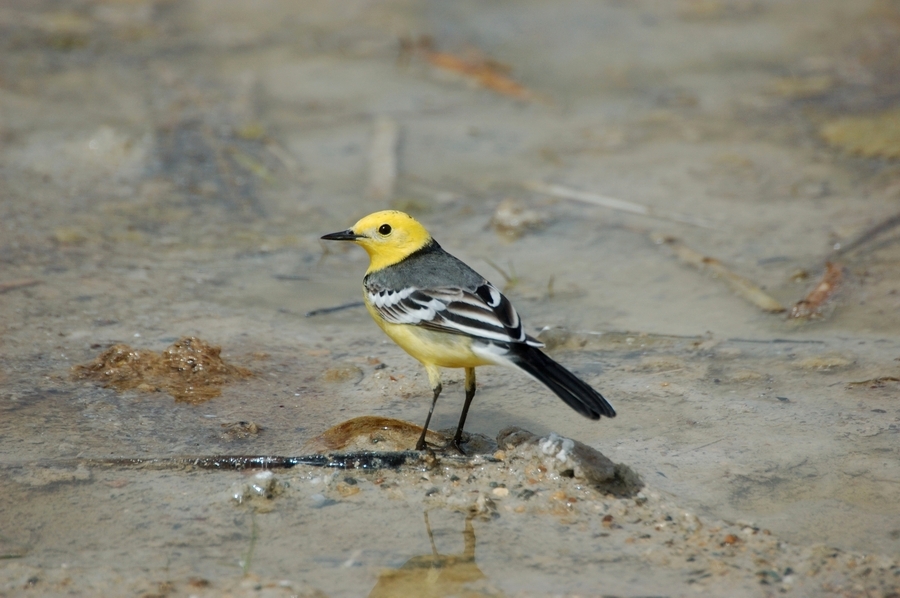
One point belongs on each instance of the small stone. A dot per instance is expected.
(346, 490)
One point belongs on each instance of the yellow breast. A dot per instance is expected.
(430, 346)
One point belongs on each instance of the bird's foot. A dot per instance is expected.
(427, 446)
(456, 444)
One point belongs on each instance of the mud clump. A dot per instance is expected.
(372, 432)
(240, 430)
(190, 370)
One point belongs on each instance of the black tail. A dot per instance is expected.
(575, 392)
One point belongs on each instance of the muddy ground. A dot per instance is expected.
(168, 168)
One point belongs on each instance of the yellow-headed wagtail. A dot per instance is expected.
(445, 314)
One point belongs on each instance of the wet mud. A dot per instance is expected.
(650, 184)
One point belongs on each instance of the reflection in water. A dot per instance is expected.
(435, 574)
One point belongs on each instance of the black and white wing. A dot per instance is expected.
(483, 314)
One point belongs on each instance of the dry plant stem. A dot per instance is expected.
(740, 285)
(383, 158)
(811, 305)
(612, 203)
(329, 310)
(870, 234)
(18, 284)
(486, 73)
(874, 382)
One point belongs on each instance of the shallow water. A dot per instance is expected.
(168, 168)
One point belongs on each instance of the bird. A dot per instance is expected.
(446, 315)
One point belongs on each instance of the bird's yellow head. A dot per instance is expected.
(388, 237)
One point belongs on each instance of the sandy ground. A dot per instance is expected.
(167, 170)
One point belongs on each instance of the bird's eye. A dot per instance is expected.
(384, 229)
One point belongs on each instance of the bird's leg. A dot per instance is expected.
(434, 376)
(470, 394)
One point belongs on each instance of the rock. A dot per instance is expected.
(571, 458)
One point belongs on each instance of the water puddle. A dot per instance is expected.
(693, 205)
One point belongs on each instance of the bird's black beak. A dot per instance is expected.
(344, 235)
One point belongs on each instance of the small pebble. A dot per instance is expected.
(319, 501)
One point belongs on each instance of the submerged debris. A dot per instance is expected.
(190, 370)
(878, 382)
(559, 337)
(365, 460)
(10, 285)
(260, 488)
(865, 239)
(870, 136)
(370, 431)
(564, 456)
(330, 310)
(486, 72)
(56, 474)
(240, 430)
(512, 219)
(613, 203)
(740, 285)
(356, 460)
(824, 363)
(811, 305)
(383, 158)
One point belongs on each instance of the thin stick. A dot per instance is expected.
(366, 460)
(254, 536)
(612, 203)
(329, 310)
(742, 286)
(869, 235)
(18, 284)
(697, 448)
(383, 158)
(811, 305)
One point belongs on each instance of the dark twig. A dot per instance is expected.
(328, 310)
(869, 235)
